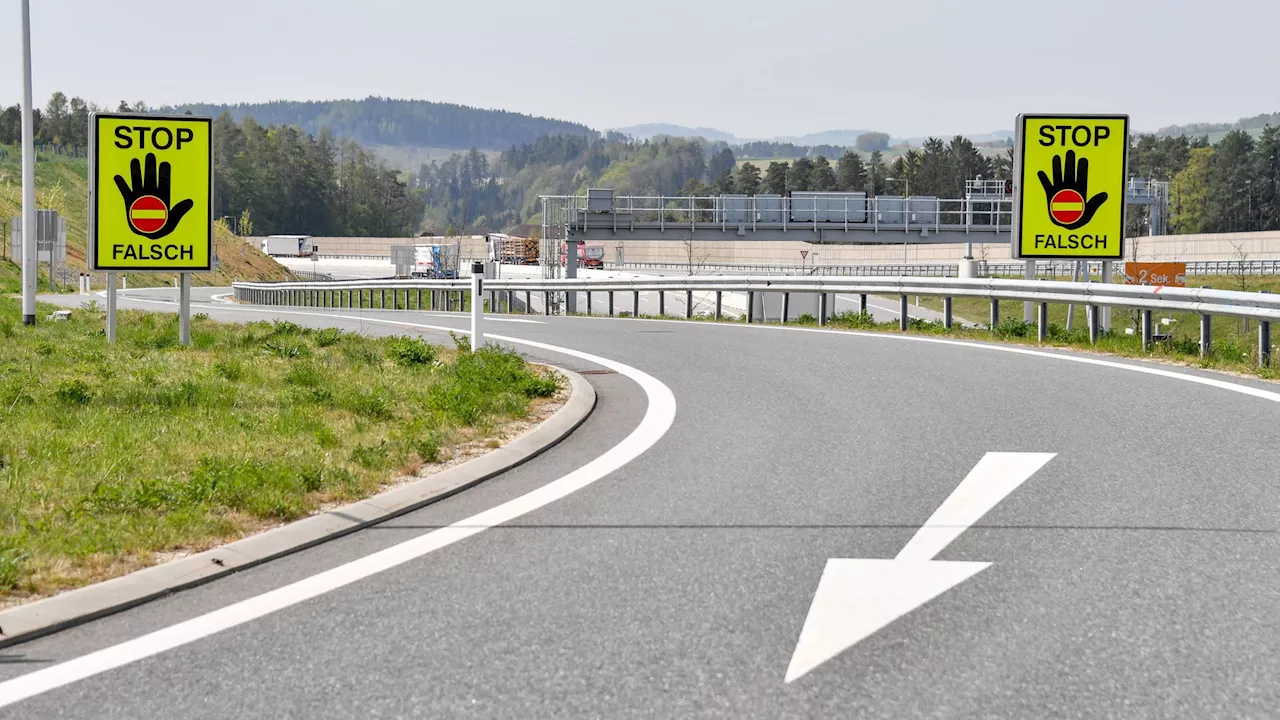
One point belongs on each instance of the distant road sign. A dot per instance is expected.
(804, 254)
(1069, 197)
(1165, 274)
(150, 193)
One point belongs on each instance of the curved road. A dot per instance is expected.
(1134, 570)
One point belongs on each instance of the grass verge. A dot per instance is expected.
(117, 456)
(1236, 353)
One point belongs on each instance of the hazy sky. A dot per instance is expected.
(755, 68)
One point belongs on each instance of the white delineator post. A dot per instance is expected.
(477, 304)
(28, 177)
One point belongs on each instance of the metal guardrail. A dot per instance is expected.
(1263, 307)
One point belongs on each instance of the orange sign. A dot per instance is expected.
(1164, 274)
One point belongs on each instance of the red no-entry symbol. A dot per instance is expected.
(148, 214)
(1066, 207)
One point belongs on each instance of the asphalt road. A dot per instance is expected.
(1136, 574)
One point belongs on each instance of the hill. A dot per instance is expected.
(388, 121)
(1215, 131)
(62, 185)
(652, 130)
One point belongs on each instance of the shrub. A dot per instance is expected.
(230, 370)
(371, 457)
(73, 392)
(327, 337)
(11, 565)
(286, 350)
(373, 404)
(427, 447)
(304, 375)
(410, 352)
(854, 319)
(807, 319)
(1012, 327)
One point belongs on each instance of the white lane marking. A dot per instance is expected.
(857, 597)
(995, 476)
(657, 420)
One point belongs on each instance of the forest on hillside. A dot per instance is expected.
(466, 191)
(267, 179)
(388, 121)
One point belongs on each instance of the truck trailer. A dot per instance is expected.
(287, 245)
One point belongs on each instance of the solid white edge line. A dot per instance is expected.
(657, 420)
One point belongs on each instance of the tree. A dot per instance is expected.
(877, 174)
(1189, 193)
(57, 115)
(1266, 174)
(775, 178)
(823, 178)
(935, 174)
(872, 141)
(720, 163)
(967, 163)
(851, 174)
(800, 175)
(1230, 185)
(724, 184)
(748, 180)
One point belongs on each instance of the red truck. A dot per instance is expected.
(590, 255)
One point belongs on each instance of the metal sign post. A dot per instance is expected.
(28, 176)
(111, 307)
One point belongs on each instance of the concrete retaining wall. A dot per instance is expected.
(1165, 248)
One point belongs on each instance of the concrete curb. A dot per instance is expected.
(43, 617)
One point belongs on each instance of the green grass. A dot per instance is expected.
(113, 455)
(1184, 329)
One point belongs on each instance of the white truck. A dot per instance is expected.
(287, 245)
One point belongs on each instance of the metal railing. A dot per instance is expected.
(1263, 307)
(827, 210)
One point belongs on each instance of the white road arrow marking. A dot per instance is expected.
(856, 598)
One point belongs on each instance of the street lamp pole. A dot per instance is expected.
(28, 177)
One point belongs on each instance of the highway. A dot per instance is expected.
(1102, 541)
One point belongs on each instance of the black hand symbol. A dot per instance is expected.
(1073, 179)
(153, 184)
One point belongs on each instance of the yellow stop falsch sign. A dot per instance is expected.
(151, 193)
(1070, 195)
